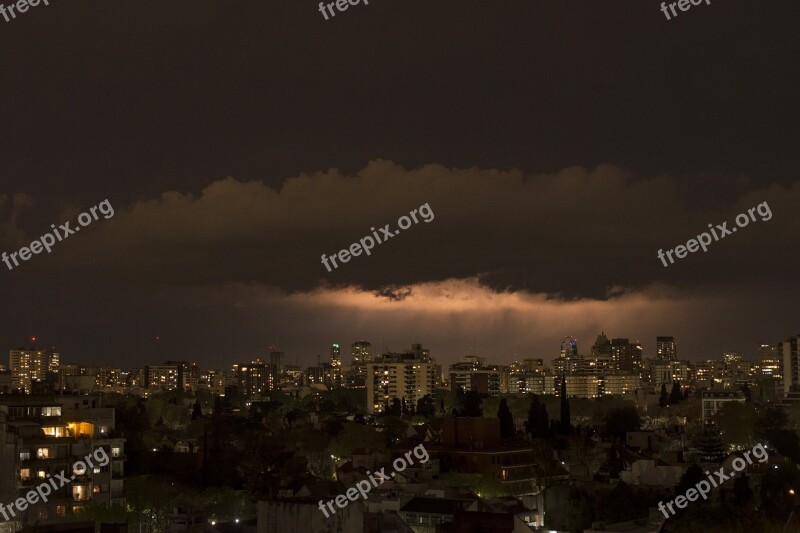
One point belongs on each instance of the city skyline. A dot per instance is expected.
(583, 349)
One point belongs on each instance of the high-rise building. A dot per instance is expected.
(568, 360)
(569, 348)
(473, 374)
(164, 377)
(626, 357)
(361, 353)
(770, 360)
(336, 358)
(55, 360)
(27, 367)
(278, 360)
(791, 364)
(666, 348)
(254, 379)
(423, 354)
(404, 377)
(601, 346)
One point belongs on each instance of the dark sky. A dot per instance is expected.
(559, 144)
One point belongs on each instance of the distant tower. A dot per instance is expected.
(569, 348)
(666, 348)
(361, 353)
(55, 360)
(336, 359)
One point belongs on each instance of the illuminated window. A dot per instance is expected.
(79, 493)
(41, 474)
(24, 474)
(96, 489)
(61, 511)
(51, 411)
(24, 456)
(43, 453)
(53, 431)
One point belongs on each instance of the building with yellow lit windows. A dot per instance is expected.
(41, 436)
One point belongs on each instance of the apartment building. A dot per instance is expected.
(473, 374)
(407, 376)
(43, 436)
(712, 402)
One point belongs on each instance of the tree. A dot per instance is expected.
(507, 429)
(426, 406)
(709, 442)
(471, 406)
(742, 493)
(565, 425)
(786, 442)
(770, 420)
(197, 411)
(663, 399)
(622, 420)
(692, 476)
(538, 423)
(675, 395)
(748, 396)
(737, 422)
(397, 408)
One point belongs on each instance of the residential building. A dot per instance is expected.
(255, 379)
(164, 377)
(712, 402)
(361, 353)
(42, 436)
(666, 348)
(473, 374)
(408, 376)
(27, 367)
(791, 364)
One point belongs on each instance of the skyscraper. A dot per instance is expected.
(770, 360)
(55, 360)
(361, 353)
(791, 364)
(666, 348)
(27, 367)
(278, 361)
(568, 360)
(569, 348)
(626, 357)
(336, 359)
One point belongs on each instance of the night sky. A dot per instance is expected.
(560, 145)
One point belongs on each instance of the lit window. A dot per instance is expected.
(43, 453)
(24, 474)
(79, 493)
(41, 474)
